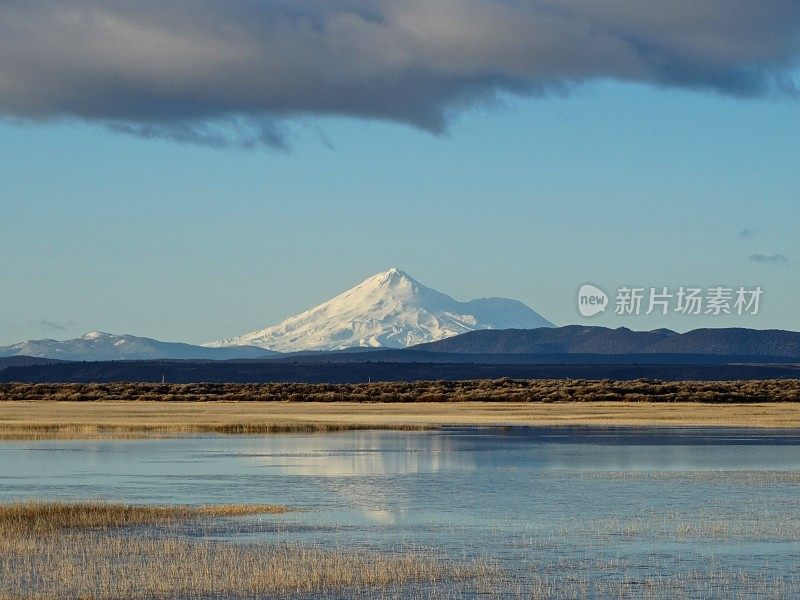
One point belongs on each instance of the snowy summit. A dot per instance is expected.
(391, 310)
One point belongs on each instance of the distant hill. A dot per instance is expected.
(107, 346)
(771, 343)
(24, 361)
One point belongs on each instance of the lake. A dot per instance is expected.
(678, 512)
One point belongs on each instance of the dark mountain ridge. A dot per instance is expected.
(603, 340)
(565, 352)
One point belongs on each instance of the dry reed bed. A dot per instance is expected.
(479, 390)
(706, 529)
(39, 517)
(660, 574)
(67, 550)
(124, 419)
(692, 584)
(46, 431)
(87, 566)
(69, 561)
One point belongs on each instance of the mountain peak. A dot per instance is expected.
(390, 309)
(96, 335)
(392, 283)
(391, 276)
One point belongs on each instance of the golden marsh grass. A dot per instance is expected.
(86, 553)
(47, 419)
(88, 566)
(67, 550)
(40, 517)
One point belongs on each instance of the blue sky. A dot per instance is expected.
(614, 184)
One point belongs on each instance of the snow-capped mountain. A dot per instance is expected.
(106, 346)
(392, 310)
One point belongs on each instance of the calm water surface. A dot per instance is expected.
(592, 501)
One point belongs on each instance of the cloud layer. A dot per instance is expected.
(778, 260)
(748, 233)
(231, 71)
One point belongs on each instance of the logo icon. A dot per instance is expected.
(591, 300)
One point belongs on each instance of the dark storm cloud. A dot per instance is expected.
(230, 71)
(777, 260)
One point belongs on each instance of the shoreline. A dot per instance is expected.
(50, 419)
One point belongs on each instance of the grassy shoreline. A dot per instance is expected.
(106, 420)
(128, 410)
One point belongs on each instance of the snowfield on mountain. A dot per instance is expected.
(388, 310)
